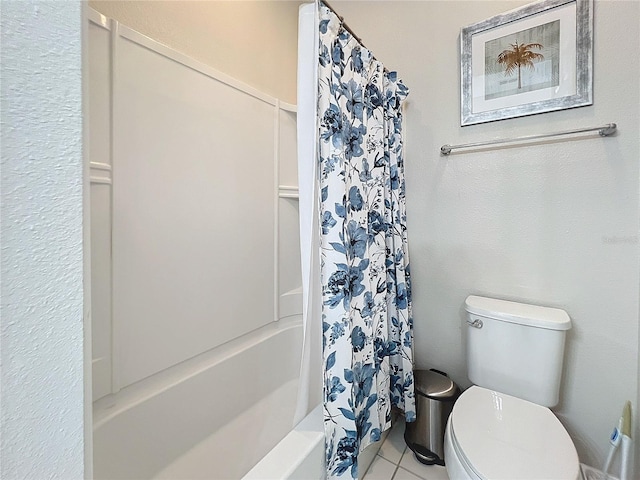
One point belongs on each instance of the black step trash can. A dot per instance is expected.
(435, 396)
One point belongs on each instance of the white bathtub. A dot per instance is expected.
(222, 415)
(212, 417)
(300, 455)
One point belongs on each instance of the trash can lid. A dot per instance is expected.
(432, 384)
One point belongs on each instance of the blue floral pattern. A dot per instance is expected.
(366, 287)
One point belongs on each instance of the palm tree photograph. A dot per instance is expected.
(520, 56)
(522, 62)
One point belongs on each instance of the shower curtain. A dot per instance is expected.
(357, 202)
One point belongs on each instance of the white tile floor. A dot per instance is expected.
(396, 462)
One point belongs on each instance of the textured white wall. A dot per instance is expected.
(554, 224)
(253, 41)
(42, 241)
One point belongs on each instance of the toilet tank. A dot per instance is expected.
(515, 348)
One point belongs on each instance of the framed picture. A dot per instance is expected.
(537, 58)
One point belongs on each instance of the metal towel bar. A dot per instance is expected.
(604, 131)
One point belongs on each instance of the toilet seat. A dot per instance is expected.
(497, 436)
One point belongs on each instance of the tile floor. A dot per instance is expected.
(396, 462)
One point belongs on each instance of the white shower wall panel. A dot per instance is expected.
(193, 210)
(289, 274)
(288, 165)
(100, 90)
(289, 253)
(101, 286)
(99, 100)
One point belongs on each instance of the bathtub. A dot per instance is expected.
(197, 420)
(186, 423)
(300, 455)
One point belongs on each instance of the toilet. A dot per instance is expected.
(501, 428)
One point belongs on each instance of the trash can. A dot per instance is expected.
(435, 395)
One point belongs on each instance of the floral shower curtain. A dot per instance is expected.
(366, 291)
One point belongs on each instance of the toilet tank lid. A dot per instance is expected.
(521, 313)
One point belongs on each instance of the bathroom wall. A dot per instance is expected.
(42, 413)
(239, 38)
(554, 223)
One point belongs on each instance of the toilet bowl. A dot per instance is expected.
(493, 436)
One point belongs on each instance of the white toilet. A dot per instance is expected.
(501, 428)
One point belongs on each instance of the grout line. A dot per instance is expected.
(410, 472)
(398, 464)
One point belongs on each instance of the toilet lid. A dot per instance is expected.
(503, 437)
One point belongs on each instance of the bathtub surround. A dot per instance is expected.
(198, 228)
(366, 289)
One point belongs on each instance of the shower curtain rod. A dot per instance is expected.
(346, 27)
(344, 24)
(605, 131)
